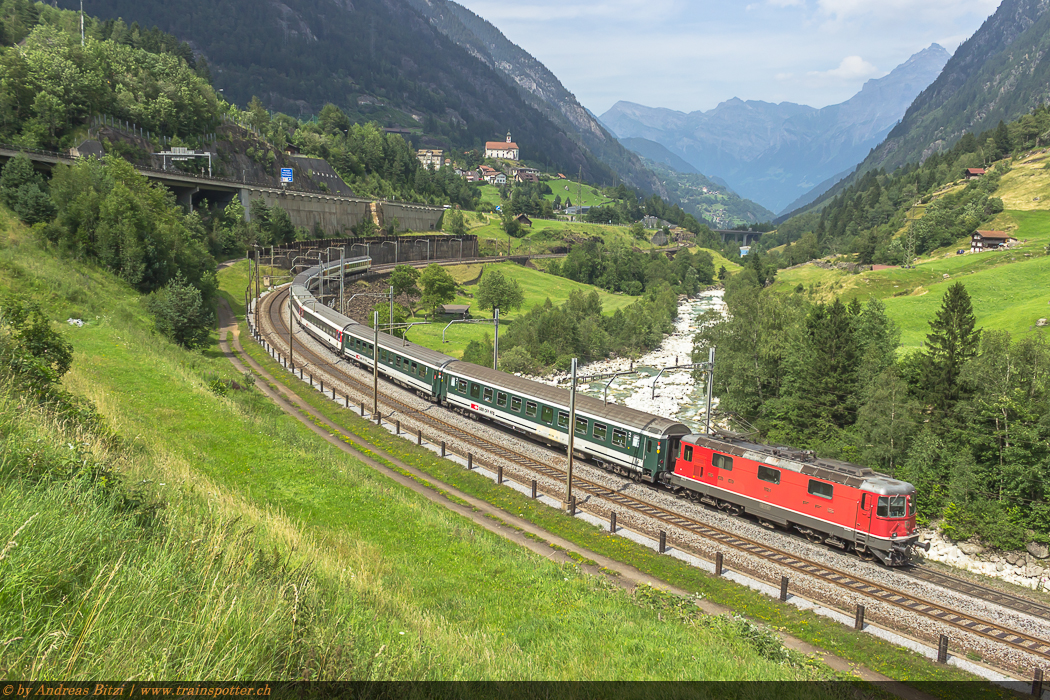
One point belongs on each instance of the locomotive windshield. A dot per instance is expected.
(892, 507)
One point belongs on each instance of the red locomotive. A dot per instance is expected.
(838, 503)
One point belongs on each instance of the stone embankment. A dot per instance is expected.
(1029, 568)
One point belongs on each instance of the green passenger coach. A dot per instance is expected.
(622, 439)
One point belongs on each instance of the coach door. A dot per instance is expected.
(864, 508)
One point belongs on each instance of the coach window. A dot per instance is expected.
(600, 431)
(515, 404)
(619, 438)
(563, 420)
(722, 462)
(547, 414)
(687, 453)
(530, 408)
(475, 390)
(819, 488)
(462, 386)
(501, 399)
(488, 394)
(415, 368)
(423, 372)
(581, 426)
(382, 355)
(398, 362)
(768, 474)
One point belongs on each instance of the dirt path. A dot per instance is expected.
(489, 517)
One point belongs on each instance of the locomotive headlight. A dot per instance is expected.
(893, 535)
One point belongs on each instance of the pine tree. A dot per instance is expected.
(953, 340)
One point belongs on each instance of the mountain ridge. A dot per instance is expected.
(774, 153)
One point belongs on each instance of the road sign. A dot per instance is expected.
(286, 175)
(499, 208)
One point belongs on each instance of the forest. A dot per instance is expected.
(966, 419)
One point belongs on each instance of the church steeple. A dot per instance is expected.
(508, 137)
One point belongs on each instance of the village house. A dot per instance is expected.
(525, 177)
(523, 219)
(990, 240)
(973, 173)
(499, 179)
(430, 157)
(502, 149)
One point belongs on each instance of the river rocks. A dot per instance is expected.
(1037, 550)
(971, 549)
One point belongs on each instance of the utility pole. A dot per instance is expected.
(341, 271)
(375, 363)
(258, 285)
(81, 22)
(291, 332)
(572, 434)
(391, 308)
(710, 386)
(495, 344)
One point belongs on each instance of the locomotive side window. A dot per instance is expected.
(722, 462)
(891, 507)
(547, 414)
(530, 408)
(488, 394)
(819, 488)
(563, 419)
(501, 399)
(600, 431)
(515, 404)
(619, 438)
(687, 453)
(475, 391)
(864, 501)
(581, 426)
(769, 474)
(911, 506)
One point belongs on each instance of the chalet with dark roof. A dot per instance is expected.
(973, 173)
(990, 240)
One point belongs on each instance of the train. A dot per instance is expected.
(840, 504)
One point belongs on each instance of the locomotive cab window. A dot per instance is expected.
(722, 462)
(600, 431)
(475, 390)
(515, 404)
(687, 453)
(819, 488)
(563, 419)
(768, 474)
(530, 408)
(488, 394)
(891, 507)
(619, 438)
(501, 399)
(547, 414)
(581, 426)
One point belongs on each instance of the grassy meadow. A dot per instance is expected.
(1009, 288)
(229, 542)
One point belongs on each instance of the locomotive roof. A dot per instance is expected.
(805, 462)
(614, 413)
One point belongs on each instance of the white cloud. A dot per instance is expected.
(903, 10)
(851, 68)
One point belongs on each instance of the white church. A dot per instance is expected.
(502, 149)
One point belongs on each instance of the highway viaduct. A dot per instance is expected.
(310, 210)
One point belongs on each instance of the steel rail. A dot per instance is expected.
(851, 582)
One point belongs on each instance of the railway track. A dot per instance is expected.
(842, 579)
(977, 590)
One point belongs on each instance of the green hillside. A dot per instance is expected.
(1009, 288)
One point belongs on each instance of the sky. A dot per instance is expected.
(693, 54)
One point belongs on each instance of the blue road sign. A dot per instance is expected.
(499, 208)
(286, 175)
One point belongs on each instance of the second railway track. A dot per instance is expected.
(1000, 634)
